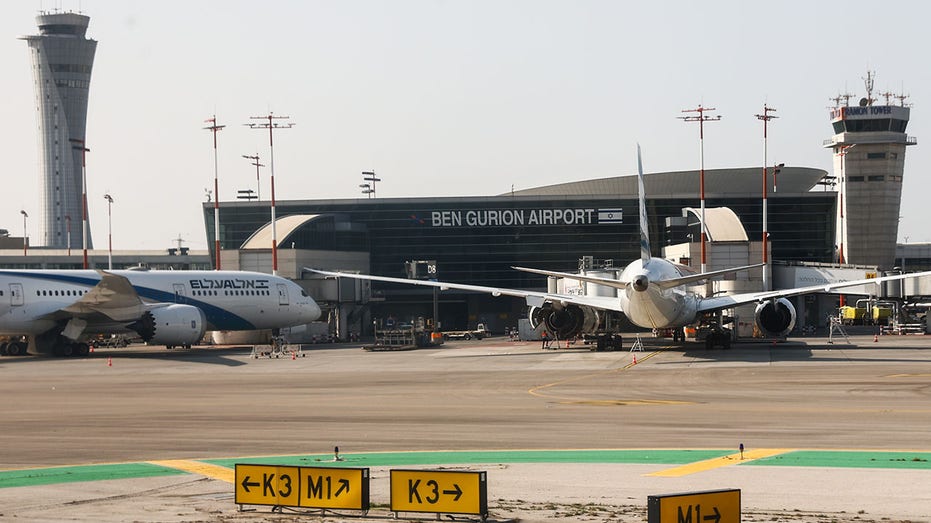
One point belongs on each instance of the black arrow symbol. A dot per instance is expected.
(246, 484)
(457, 492)
(343, 485)
(716, 517)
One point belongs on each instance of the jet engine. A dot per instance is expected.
(566, 321)
(775, 317)
(171, 325)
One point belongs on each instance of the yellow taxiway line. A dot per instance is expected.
(196, 467)
(723, 461)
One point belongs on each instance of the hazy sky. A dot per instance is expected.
(449, 98)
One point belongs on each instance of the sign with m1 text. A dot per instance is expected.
(308, 487)
(439, 491)
(714, 506)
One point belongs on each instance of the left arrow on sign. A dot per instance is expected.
(457, 492)
(246, 483)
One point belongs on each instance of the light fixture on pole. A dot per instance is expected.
(25, 243)
(80, 145)
(766, 117)
(258, 184)
(214, 128)
(701, 119)
(271, 125)
(369, 188)
(109, 230)
(842, 204)
(68, 229)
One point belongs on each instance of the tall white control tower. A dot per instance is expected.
(62, 58)
(869, 162)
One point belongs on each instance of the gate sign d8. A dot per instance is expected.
(267, 485)
(439, 491)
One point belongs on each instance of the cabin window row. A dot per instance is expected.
(60, 292)
(231, 293)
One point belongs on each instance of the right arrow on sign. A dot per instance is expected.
(457, 492)
(343, 487)
(716, 517)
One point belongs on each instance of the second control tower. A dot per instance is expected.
(869, 161)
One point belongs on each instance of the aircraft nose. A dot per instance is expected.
(640, 283)
(312, 311)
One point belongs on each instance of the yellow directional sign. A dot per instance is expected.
(439, 491)
(330, 487)
(310, 487)
(267, 485)
(714, 506)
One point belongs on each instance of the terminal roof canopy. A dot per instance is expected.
(721, 224)
(262, 238)
(742, 181)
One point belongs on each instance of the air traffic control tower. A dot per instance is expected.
(62, 58)
(869, 161)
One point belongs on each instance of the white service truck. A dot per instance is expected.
(479, 333)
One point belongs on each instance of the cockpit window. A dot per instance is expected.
(304, 293)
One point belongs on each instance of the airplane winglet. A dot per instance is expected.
(644, 224)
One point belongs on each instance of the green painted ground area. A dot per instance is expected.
(847, 459)
(50, 476)
(386, 459)
(802, 458)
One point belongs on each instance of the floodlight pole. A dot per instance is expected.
(25, 243)
(701, 119)
(841, 201)
(258, 184)
(82, 147)
(271, 125)
(68, 237)
(766, 117)
(214, 128)
(109, 231)
(369, 187)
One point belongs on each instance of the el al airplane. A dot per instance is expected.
(651, 293)
(56, 310)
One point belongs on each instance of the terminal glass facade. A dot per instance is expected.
(477, 240)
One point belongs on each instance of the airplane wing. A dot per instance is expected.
(619, 284)
(726, 302)
(114, 297)
(534, 298)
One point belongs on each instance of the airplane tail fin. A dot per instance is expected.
(644, 225)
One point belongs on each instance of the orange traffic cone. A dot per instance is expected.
(875, 338)
(109, 361)
(635, 359)
(91, 349)
(293, 357)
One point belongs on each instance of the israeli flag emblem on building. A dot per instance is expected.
(610, 216)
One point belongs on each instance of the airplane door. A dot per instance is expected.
(16, 294)
(179, 292)
(282, 294)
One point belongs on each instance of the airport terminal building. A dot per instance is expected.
(476, 240)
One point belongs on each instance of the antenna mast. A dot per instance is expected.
(214, 128)
(271, 125)
(765, 117)
(701, 119)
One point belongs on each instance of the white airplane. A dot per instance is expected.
(55, 311)
(651, 293)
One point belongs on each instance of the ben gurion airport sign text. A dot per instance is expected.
(508, 217)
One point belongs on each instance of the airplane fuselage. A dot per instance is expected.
(32, 301)
(656, 307)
